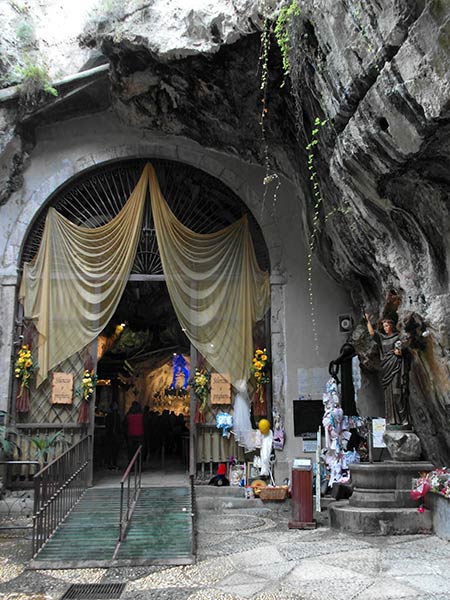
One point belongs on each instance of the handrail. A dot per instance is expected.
(124, 519)
(57, 488)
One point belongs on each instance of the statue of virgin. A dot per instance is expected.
(395, 360)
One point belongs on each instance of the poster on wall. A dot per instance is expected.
(220, 389)
(312, 382)
(378, 429)
(62, 388)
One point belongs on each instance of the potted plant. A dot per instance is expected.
(45, 445)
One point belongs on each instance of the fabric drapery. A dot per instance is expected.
(72, 287)
(215, 284)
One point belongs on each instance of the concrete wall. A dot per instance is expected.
(63, 150)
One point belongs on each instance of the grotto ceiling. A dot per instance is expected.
(375, 73)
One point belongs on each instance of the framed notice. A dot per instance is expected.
(220, 389)
(62, 388)
(378, 429)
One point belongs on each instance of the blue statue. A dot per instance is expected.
(180, 366)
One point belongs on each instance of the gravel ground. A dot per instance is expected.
(252, 554)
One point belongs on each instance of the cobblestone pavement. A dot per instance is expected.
(251, 554)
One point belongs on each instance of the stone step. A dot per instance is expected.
(211, 491)
(376, 521)
(226, 502)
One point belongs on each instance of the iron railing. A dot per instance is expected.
(134, 471)
(57, 488)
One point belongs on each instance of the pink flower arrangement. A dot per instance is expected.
(437, 481)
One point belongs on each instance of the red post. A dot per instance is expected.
(302, 499)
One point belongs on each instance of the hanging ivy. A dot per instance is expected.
(284, 20)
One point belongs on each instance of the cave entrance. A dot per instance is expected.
(139, 353)
(204, 204)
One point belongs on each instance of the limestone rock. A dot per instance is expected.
(379, 73)
(403, 445)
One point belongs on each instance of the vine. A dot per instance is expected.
(269, 176)
(312, 148)
(287, 14)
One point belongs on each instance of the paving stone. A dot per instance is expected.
(414, 566)
(331, 589)
(302, 549)
(75, 575)
(243, 584)
(211, 594)
(266, 556)
(366, 563)
(432, 584)
(386, 588)
(156, 594)
(276, 571)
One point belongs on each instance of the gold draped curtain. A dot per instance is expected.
(72, 287)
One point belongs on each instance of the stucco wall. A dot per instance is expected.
(65, 149)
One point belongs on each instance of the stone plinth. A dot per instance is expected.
(386, 484)
(440, 507)
(381, 502)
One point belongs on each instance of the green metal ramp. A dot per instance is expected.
(160, 531)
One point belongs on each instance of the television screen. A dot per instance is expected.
(308, 416)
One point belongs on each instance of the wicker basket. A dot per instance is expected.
(273, 493)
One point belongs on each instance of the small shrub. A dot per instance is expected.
(35, 84)
(25, 33)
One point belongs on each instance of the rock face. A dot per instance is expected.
(378, 71)
(403, 445)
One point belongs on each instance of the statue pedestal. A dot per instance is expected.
(381, 502)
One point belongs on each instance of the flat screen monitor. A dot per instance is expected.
(308, 416)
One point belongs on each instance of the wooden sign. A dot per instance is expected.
(220, 389)
(62, 388)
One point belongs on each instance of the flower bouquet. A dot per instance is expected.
(88, 384)
(437, 481)
(260, 372)
(200, 385)
(24, 369)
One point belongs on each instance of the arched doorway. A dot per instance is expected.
(202, 203)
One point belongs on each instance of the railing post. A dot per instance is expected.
(134, 468)
(56, 491)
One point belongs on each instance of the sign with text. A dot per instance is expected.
(378, 429)
(62, 388)
(220, 389)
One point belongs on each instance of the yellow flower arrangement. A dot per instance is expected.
(24, 366)
(201, 387)
(259, 368)
(88, 382)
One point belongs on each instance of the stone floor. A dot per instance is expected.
(251, 554)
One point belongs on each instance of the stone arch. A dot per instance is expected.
(211, 162)
(243, 179)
